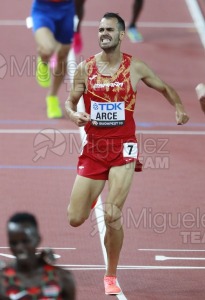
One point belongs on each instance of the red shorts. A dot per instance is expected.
(100, 155)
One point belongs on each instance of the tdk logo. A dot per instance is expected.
(95, 106)
(107, 106)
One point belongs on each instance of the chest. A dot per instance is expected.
(109, 79)
(43, 284)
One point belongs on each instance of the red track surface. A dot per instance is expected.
(165, 208)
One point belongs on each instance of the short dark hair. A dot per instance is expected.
(121, 22)
(22, 218)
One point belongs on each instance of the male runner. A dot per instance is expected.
(108, 83)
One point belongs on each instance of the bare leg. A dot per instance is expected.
(200, 90)
(84, 193)
(60, 69)
(80, 11)
(77, 40)
(120, 179)
(47, 46)
(46, 43)
(132, 31)
(202, 103)
(136, 10)
(113, 243)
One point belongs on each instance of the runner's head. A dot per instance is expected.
(111, 32)
(23, 236)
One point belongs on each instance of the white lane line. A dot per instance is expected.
(172, 250)
(7, 255)
(176, 25)
(12, 22)
(102, 267)
(34, 131)
(198, 18)
(163, 258)
(56, 256)
(166, 25)
(53, 248)
(74, 131)
(6, 247)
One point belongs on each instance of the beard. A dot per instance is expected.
(109, 48)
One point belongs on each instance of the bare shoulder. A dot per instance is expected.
(139, 66)
(85, 64)
(65, 274)
(137, 71)
(68, 284)
(80, 69)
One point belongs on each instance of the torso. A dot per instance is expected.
(110, 99)
(45, 284)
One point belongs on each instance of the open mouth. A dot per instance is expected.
(22, 256)
(105, 40)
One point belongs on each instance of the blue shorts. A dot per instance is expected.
(58, 17)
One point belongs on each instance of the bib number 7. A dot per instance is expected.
(130, 150)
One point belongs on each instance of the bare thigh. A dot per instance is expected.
(84, 192)
(63, 51)
(46, 42)
(120, 180)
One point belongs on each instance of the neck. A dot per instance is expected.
(112, 58)
(28, 267)
(108, 64)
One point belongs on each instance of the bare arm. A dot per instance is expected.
(200, 91)
(77, 90)
(153, 81)
(202, 103)
(2, 290)
(68, 285)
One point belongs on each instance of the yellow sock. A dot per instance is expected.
(43, 74)
(53, 107)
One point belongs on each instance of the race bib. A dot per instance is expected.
(107, 114)
(130, 150)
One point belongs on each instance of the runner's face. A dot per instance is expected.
(23, 240)
(109, 35)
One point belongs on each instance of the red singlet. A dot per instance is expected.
(111, 90)
(111, 140)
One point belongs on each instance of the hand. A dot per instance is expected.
(47, 255)
(80, 118)
(2, 265)
(181, 115)
(202, 103)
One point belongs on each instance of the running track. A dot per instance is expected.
(163, 257)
